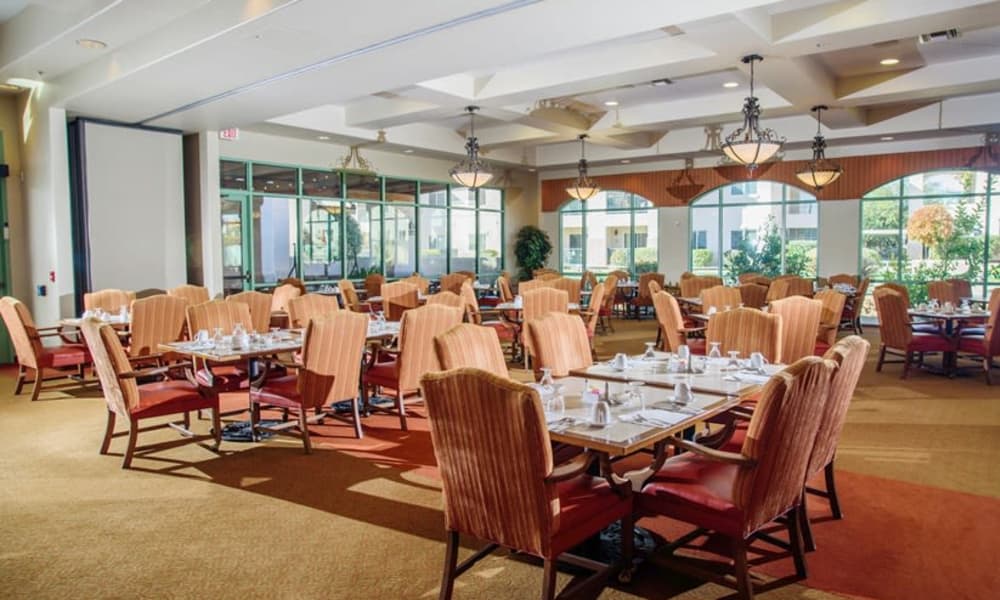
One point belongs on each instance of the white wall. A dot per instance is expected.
(135, 206)
(839, 236)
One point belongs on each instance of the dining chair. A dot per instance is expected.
(691, 287)
(156, 320)
(800, 286)
(800, 317)
(746, 330)
(987, 345)
(373, 284)
(545, 273)
(748, 277)
(920, 325)
(503, 287)
(469, 345)
(415, 355)
(46, 362)
(829, 320)
(350, 296)
(469, 303)
(533, 284)
(223, 315)
(844, 278)
(539, 302)
(593, 315)
(423, 284)
(133, 403)
(644, 297)
(611, 294)
(570, 286)
(446, 298)
(588, 281)
(192, 294)
(559, 342)
(492, 448)
(779, 288)
(673, 331)
(896, 333)
(753, 295)
(899, 288)
(260, 306)
(281, 295)
(503, 328)
(943, 291)
(854, 306)
(329, 372)
(741, 495)
(109, 300)
(720, 297)
(310, 306)
(961, 287)
(399, 297)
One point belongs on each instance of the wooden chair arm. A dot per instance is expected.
(143, 373)
(572, 468)
(726, 457)
(691, 329)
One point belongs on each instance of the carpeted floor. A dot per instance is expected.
(362, 519)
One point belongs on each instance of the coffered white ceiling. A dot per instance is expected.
(542, 70)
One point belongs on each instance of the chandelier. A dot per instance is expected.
(750, 145)
(472, 172)
(584, 187)
(353, 162)
(820, 171)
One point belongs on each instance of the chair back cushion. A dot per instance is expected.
(22, 331)
(417, 330)
(800, 318)
(668, 314)
(310, 306)
(961, 287)
(691, 287)
(350, 294)
(110, 300)
(397, 288)
(645, 279)
(778, 289)
(596, 300)
(829, 320)
(492, 449)
(893, 321)
(845, 278)
(452, 282)
(192, 294)
(849, 354)
(156, 320)
(282, 294)
(331, 354)
(780, 438)
(559, 342)
(469, 345)
(400, 303)
(570, 286)
(746, 330)
(423, 284)
(470, 304)
(720, 297)
(503, 286)
(747, 277)
(260, 306)
(110, 361)
(220, 314)
(533, 284)
(800, 286)
(753, 295)
(942, 291)
(373, 284)
(446, 298)
(899, 288)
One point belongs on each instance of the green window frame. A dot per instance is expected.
(617, 203)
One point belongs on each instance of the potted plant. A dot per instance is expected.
(532, 250)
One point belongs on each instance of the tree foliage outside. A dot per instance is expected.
(532, 250)
(762, 254)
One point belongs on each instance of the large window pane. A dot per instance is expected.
(233, 175)
(645, 238)
(325, 184)
(434, 194)
(706, 250)
(274, 237)
(880, 234)
(232, 245)
(362, 239)
(490, 244)
(270, 179)
(463, 197)
(362, 187)
(463, 240)
(400, 240)
(607, 240)
(433, 240)
(994, 229)
(752, 240)
(490, 198)
(572, 242)
(321, 221)
(400, 190)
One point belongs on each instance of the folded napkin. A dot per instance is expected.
(667, 417)
(752, 377)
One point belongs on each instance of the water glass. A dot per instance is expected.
(734, 359)
(683, 352)
(546, 381)
(555, 404)
(682, 393)
(635, 393)
(650, 353)
(716, 350)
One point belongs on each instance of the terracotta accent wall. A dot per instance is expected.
(861, 175)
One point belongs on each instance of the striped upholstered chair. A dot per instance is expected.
(691, 287)
(423, 284)
(469, 345)
(373, 284)
(192, 294)
(800, 317)
(986, 346)
(753, 295)
(829, 320)
(559, 341)
(943, 291)
(131, 402)
(499, 481)
(844, 278)
(156, 320)
(738, 495)
(720, 297)
(538, 302)
(644, 297)
(446, 298)
(673, 331)
(746, 330)
(259, 304)
(329, 372)
(592, 315)
(452, 282)
(310, 306)
(897, 335)
(399, 297)
(568, 285)
(350, 296)
(223, 315)
(46, 363)
(800, 286)
(533, 284)
(109, 300)
(778, 289)
(415, 357)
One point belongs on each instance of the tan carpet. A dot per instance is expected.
(363, 520)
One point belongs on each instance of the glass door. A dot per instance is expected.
(273, 240)
(236, 274)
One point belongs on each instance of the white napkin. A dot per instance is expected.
(662, 416)
(752, 378)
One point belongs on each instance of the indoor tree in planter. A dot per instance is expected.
(532, 249)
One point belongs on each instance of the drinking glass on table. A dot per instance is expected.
(218, 339)
(635, 393)
(682, 393)
(650, 353)
(734, 359)
(716, 350)
(555, 404)
(546, 381)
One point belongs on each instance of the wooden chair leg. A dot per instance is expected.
(357, 418)
(133, 434)
(217, 425)
(549, 580)
(401, 406)
(807, 534)
(20, 380)
(906, 365)
(628, 545)
(744, 586)
(450, 560)
(187, 420)
(109, 431)
(304, 429)
(795, 539)
(881, 358)
(36, 386)
(831, 491)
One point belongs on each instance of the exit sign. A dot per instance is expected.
(233, 133)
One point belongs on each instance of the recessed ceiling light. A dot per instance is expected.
(888, 62)
(91, 44)
(610, 103)
(408, 151)
(887, 138)
(625, 161)
(322, 137)
(731, 84)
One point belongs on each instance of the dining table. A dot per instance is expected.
(952, 322)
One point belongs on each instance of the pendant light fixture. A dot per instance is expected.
(820, 171)
(472, 172)
(750, 145)
(584, 187)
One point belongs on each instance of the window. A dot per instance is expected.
(754, 226)
(323, 225)
(613, 230)
(930, 226)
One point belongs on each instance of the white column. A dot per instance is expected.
(674, 246)
(839, 236)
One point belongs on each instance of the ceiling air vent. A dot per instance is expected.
(938, 36)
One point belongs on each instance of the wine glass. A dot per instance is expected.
(716, 350)
(734, 359)
(546, 381)
(650, 353)
(635, 393)
(555, 404)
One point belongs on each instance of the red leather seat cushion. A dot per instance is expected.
(67, 355)
(224, 378)
(696, 345)
(384, 374)
(930, 343)
(489, 301)
(505, 333)
(735, 443)
(974, 345)
(587, 505)
(820, 348)
(280, 391)
(694, 490)
(170, 397)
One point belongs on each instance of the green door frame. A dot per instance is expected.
(6, 351)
